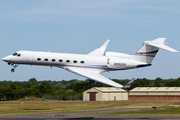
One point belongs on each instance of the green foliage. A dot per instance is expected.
(81, 86)
(3, 90)
(45, 87)
(33, 81)
(158, 82)
(32, 87)
(12, 85)
(58, 86)
(4, 83)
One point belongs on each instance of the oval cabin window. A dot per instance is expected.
(75, 61)
(46, 59)
(67, 61)
(82, 61)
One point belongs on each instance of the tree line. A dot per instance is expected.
(32, 87)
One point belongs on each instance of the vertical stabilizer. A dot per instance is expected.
(145, 54)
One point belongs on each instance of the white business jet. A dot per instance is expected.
(94, 63)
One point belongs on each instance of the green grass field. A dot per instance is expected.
(29, 108)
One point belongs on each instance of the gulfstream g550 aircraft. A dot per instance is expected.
(94, 63)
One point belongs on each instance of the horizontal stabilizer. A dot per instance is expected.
(159, 43)
(159, 40)
(162, 46)
(128, 85)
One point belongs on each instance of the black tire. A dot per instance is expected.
(12, 70)
(91, 81)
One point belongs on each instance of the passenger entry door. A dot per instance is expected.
(30, 58)
(108, 62)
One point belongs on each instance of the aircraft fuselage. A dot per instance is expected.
(63, 60)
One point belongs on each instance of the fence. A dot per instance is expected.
(47, 96)
(62, 97)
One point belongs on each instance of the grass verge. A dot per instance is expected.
(25, 108)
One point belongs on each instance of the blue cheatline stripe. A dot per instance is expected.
(144, 65)
(137, 53)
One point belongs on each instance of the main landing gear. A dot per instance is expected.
(14, 66)
(91, 81)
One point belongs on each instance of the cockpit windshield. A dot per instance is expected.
(16, 54)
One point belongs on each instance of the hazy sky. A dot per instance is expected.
(80, 26)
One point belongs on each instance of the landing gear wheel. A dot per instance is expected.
(91, 81)
(12, 70)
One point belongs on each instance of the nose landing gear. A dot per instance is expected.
(12, 70)
(14, 66)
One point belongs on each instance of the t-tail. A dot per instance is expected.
(149, 50)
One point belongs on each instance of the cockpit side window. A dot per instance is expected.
(15, 54)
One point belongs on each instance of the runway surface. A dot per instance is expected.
(62, 115)
(96, 118)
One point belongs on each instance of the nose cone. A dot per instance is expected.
(6, 59)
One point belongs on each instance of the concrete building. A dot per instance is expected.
(105, 94)
(155, 93)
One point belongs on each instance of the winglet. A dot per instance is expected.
(101, 50)
(128, 85)
(105, 44)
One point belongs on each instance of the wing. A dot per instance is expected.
(100, 51)
(93, 75)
